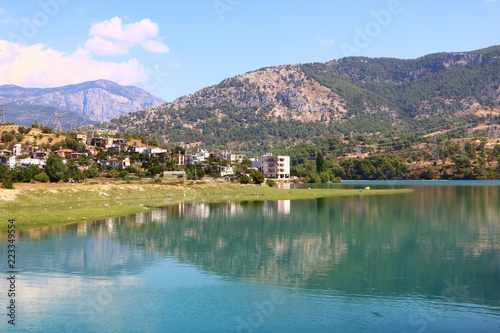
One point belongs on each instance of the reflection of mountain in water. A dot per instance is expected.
(396, 245)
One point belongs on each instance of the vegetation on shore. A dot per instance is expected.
(38, 205)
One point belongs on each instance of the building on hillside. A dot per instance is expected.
(74, 155)
(24, 150)
(92, 151)
(102, 142)
(8, 160)
(225, 170)
(79, 137)
(115, 163)
(138, 149)
(232, 158)
(155, 152)
(200, 156)
(182, 159)
(63, 152)
(255, 163)
(24, 162)
(275, 166)
(40, 155)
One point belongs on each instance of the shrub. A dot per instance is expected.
(8, 137)
(112, 174)
(271, 183)
(257, 176)
(42, 177)
(7, 183)
(244, 179)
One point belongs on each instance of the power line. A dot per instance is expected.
(58, 122)
(2, 114)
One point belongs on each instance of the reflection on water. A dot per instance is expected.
(436, 249)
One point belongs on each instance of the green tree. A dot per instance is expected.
(92, 172)
(8, 137)
(320, 163)
(78, 175)
(55, 168)
(257, 176)
(246, 163)
(244, 179)
(427, 174)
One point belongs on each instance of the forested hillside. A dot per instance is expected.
(285, 105)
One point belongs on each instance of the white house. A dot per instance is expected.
(275, 166)
(225, 170)
(116, 163)
(8, 160)
(232, 158)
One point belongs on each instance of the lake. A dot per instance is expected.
(428, 261)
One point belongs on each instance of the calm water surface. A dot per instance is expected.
(428, 261)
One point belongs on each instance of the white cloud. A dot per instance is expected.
(324, 41)
(112, 37)
(327, 41)
(155, 46)
(41, 66)
(8, 18)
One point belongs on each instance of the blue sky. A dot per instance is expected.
(174, 48)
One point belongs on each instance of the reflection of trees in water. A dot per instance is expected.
(357, 244)
(371, 244)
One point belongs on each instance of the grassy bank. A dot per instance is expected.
(38, 205)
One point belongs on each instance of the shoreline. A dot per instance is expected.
(55, 204)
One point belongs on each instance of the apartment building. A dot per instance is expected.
(275, 166)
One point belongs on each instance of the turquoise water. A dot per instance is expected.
(428, 261)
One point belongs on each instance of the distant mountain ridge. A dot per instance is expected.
(99, 100)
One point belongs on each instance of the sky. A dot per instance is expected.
(175, 48)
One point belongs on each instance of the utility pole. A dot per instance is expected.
(58, 122)
(469, 130)
(436, 151)
(493, 130)
(2, 114)
(462, 148)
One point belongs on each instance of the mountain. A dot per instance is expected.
(85, 102)
(22, 113)
(285, 105)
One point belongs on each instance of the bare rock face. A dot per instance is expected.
(283, 91)
(99, 100)
(461, 59)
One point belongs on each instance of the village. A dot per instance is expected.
(103, 150)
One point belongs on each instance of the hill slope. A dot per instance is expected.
(99, 100)
(294, 103)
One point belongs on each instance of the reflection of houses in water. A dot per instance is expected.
(199, 211)
(282, 207)
(235, 209)
(81, 229)
(110, 224)
(159, 215)
(141, 218)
